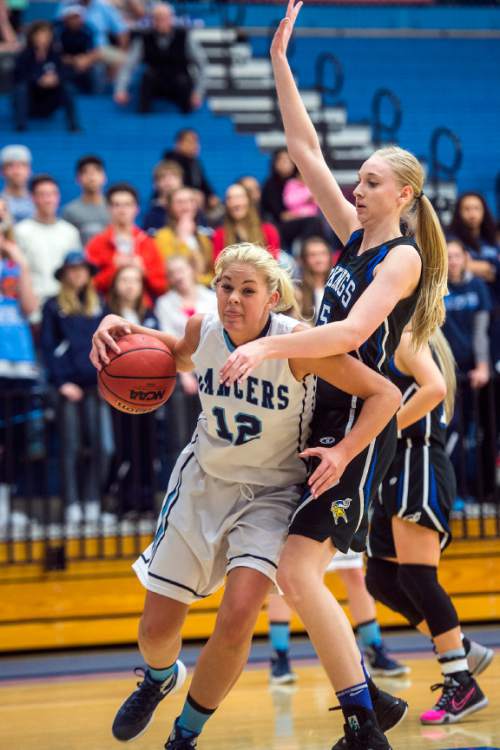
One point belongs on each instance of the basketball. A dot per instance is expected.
(139, 379)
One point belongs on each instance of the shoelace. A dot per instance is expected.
(145, 697)
(449, 687)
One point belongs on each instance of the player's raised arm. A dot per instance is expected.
(381, 401)
(302, 141)
(398, 274)
(113, 327)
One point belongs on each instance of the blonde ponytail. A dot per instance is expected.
(277, 279)
(423, 222)
(446, 362)
(430, 311)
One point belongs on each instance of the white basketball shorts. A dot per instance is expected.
(208, 526)
(346, 561)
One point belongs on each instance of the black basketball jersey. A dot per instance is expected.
(346, 283)
(432, 427)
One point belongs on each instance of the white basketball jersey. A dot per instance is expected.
(251, 433)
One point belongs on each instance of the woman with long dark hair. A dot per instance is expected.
(473, 224)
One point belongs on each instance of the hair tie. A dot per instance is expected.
(420, 195)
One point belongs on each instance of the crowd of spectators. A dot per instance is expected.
(63, 267)
(136, 51)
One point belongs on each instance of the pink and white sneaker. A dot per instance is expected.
(457, 701)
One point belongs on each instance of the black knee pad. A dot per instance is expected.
(382, 583)
(420, 582)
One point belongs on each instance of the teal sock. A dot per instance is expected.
(160, 675)
(279, 634)
(369, 633)
(193, 717)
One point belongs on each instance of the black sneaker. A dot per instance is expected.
(383, 665)
(389, 710)
(281, 671)
(457, 701)
(366, 737)
(136, 713)
(177, 742)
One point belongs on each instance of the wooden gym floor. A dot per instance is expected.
(76, 714)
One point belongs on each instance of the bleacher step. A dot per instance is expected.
(233, 104)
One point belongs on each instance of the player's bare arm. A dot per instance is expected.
(396, 278)
(381, 401)
(113, 327)
(302, 141)
(421, 365)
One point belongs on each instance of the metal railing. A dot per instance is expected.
(52, 457)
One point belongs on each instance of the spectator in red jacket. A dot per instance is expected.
(243, 224)
(123, 243)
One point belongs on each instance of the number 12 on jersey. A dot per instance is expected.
(247, 427)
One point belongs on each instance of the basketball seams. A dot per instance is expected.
(140, 377)
(140, 349)
(137, 390)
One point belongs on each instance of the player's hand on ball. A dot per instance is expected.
(242, 362)
(327, 474)
(111, 328)
(284, 31)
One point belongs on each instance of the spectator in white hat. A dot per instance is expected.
(15, 161)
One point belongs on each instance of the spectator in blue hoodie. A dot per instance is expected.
(19, 412)
(68, 324)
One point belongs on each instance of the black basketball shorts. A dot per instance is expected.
(420, 488)
(340, 512)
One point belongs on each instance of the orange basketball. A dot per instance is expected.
(139, 379)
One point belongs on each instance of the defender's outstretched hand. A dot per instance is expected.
(111, 328)
(284, 31)
(242, 362)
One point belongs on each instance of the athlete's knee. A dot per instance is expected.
(383, 584)
(153, 630)
(236, 621)
(159, 624)
(294, 581)
(421, 584)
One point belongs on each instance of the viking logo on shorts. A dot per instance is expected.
(338, 508)
(327, 440)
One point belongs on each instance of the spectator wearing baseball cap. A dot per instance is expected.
(15, 162)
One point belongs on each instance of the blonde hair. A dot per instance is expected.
(423, 222)
(446, 363)
(72, 303)
(277, 279)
